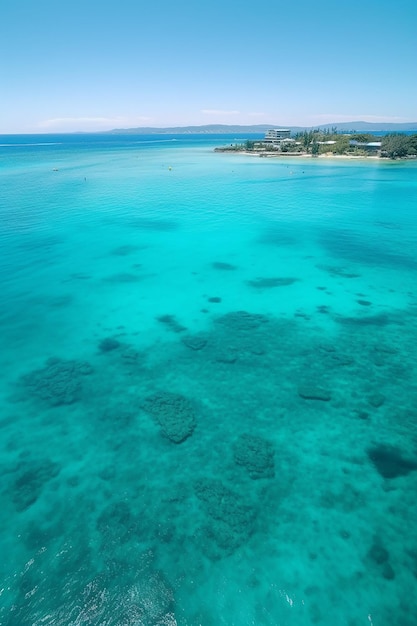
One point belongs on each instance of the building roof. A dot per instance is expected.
(365, 144)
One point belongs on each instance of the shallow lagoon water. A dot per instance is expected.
(209, 391)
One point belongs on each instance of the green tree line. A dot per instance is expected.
(315, 142)
(397, 145)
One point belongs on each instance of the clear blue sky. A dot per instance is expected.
(89, 65)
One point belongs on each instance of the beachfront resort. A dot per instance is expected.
(328, 142)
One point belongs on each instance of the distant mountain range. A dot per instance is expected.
(220, 129)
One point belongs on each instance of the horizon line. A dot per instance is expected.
(375, 125)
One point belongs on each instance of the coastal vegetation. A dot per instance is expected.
(397, 145)
(331, 142)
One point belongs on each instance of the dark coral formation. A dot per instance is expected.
(195, 342)
(230, 518)
(376, 400)
(123, 278)
(338, 271)
(378, 553)
(59, 382)
(240, 336)
(131, 356)
(312, 392)
(219, 265)
(126, 250)
(242, 320)
(108, 344)
(323, 308)
(373, 251)
(269, 283)
(226, 354)
(256, 454)
(172, 323)
(390, 462)
(380, 319)
(379, 556)
(30, 480)
(173, 412)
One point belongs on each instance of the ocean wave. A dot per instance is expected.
(39, 143)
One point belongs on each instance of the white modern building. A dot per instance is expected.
(277, 135)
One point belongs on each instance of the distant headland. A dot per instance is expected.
(219, 129)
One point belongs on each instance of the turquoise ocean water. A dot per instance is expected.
(208, 400)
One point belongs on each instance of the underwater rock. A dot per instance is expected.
(242, 320)
(59, 382)
(173, 412)
(30, 480)
(389, 461)
(172, 323)
(108, 344)
(256, 455)
(195, 342)
(269, 283)
(309, 392)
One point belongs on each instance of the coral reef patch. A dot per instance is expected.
(108, 344)
(174, 413)
(59, 382)
(30, 480)
(242, 320)
(230, 518)
(256, 454)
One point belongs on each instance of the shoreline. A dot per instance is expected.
(305, 155)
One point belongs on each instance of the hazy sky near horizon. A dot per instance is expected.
(90, 65)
